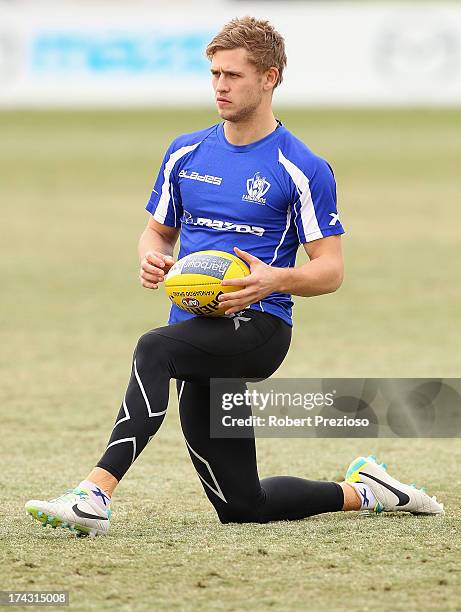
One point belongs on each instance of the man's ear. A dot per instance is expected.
(271, 78)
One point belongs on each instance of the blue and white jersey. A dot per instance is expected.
(267, 198)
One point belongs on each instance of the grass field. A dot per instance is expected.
(72, 190)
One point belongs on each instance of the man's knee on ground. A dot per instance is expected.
(243, 511)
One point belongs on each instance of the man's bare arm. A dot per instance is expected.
(155, 250)
(322, 274)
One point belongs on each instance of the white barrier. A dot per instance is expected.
(339, 54)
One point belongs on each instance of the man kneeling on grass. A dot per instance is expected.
(250, 186)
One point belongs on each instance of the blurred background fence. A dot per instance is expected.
(151, 53)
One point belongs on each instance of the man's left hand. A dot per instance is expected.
(261, 281)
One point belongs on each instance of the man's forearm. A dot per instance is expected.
(151, 240)
(319, 276)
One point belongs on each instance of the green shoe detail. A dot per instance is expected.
(54, 522)
(352, 474)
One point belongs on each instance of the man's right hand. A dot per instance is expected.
(154, 266)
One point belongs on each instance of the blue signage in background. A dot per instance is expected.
(129, 53)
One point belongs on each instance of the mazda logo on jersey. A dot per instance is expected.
(257, 187)
(222, 226)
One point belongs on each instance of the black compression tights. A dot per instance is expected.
(249, 345)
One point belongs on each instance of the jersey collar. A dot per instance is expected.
(253, 145)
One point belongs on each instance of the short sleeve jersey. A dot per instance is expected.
(267, 198)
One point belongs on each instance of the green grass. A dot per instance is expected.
(72, 190)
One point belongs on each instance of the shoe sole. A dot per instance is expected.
(54, 522)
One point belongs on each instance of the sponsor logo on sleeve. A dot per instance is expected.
(334, 219)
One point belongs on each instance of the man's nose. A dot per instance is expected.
(222, 84)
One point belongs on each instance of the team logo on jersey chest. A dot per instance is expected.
(257, 187)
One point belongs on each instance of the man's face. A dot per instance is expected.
(237, 85)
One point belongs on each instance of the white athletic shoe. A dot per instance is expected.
(75, 510)
(391, 495)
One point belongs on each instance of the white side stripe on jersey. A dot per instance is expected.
(162, 208)
(306, 210)
(174, 206)
(287, 226)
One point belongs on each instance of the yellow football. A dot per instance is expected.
(194, 281)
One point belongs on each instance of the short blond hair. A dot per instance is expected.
(264, 45)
